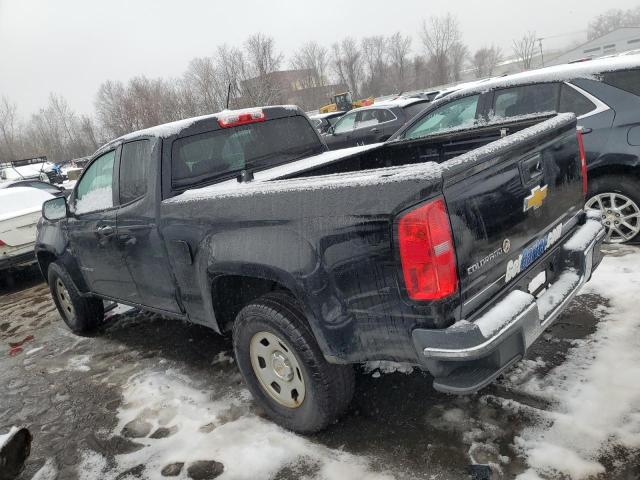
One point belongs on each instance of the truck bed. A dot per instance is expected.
(325, 230)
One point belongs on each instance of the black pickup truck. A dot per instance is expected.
(451, 252)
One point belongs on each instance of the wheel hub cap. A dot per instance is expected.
(277, 369)
(281, 366)
(64, 299)
(619, 214)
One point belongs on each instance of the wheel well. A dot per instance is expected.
(230, 293)
(607, 170)
(44, 260)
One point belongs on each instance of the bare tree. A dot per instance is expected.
(485, 60)
(8, 120)
(201, 79)
(612, 20)
(459, 55)
(525, 48)
(347, 63)
(398, 49)
(374, 51)
(313, 58)
(261, 60)
(440, 36)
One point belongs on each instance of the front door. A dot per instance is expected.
(137, 231)
(92, 232)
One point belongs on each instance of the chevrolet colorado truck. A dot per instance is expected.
(451, 252)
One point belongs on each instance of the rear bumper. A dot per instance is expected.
(10, 261)
(469, 355)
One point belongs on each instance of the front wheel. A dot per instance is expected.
(617, 201)
(284, 367)
(81, 314)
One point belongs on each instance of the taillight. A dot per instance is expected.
(234, 119)
(583, 163)
(2, 244)
(426, 252)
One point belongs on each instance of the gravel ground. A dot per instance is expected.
(149, 394)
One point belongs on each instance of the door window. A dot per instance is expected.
(573, 101)
(458, 113)
(511, 102)
(134, 170)
(346, 123)
(94, 191)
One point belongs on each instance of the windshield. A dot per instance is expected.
(222, 153)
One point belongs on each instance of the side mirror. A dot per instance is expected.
(55, 209)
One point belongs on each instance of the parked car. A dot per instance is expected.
(604, 94)
(373, 124)
(55, 190)
(20, 210)
(453, 252)
(324, 121)
(10, 172)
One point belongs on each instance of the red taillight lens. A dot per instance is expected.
(234, 119)
(426, 252)
(583, 163)
(2, 244)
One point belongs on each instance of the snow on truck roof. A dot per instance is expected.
(556, 73)
(166, 130)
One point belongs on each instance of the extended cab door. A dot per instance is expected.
(92, 231)
(137, 233)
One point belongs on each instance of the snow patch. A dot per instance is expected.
(209, 425)
(501, 314)
(95, 200)
(386, 367)
(49, 471)
(596, 392)
(79, 363)
(584, 236)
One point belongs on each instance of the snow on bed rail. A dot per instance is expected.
(510, 140)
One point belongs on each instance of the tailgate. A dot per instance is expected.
(510, 203)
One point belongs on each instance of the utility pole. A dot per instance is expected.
(541, 54)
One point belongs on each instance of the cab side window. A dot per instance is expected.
(134, 170)
(458, 113)
(511, 102)
(94, 191)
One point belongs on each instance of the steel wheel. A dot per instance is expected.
(65, 300)
(620, 215)
(277, 369)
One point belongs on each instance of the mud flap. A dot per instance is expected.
(15, 448)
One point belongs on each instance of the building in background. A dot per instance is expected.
(619, 41)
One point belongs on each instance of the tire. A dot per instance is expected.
(325, 389)
(81, 314)
(607, 195)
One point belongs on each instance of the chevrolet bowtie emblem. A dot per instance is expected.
(536, 198)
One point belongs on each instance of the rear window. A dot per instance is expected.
(414, 109)
(226, 152)
(573, 101)
(627, 80)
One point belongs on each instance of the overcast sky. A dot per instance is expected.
(71, 46)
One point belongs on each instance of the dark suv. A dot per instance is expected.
(373, 124)
(605, 96)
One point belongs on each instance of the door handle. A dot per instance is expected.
(585, 130)
(374, 130)
(105, 231)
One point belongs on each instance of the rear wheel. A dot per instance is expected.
(284, 367)
(81, 314)
(617, 201)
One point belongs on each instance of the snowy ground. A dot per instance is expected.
(149, 394)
